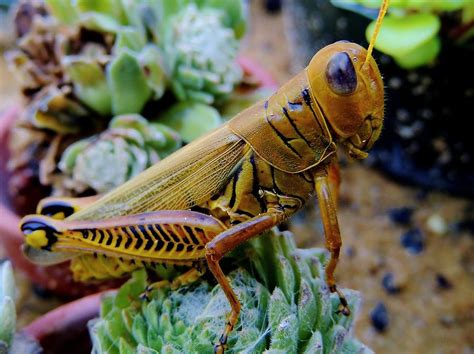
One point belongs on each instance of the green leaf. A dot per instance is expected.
(63, 10)
(399, 36)
(152, 64)
(278, 309)
(191, 119)
(139, 329)
(335, 338)
(285, 336)
(90, 84)
(7, 281)
(141, 349)
(315, 344)
(436, 5)
(307, 310)
(125, 347)
(128, 38)
(7, 305)
(285, 277)
(8, 322)
(99, 22)
(169, 8)
(353, 346)
(238, 101)
(112, 8)
(172, 139)
(133, 121)
(127, 84)
(107, 304)
(115, 326)
(420, 56)
(69, 156)
(235, 14)
(131, 289)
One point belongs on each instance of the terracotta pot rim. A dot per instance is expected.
(64, 317)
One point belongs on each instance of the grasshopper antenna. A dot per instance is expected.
(378, 24)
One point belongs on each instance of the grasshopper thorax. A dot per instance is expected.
(350, 94)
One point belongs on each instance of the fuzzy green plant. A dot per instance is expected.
(286, 308)
(10, 340)
(410, 32)
(202, 50)
(7, 306)
(129, 146)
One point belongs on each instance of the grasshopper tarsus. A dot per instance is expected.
(343, 307)
(219, 349)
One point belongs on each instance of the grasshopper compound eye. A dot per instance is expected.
(341, 75)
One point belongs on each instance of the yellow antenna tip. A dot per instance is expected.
(378, 25)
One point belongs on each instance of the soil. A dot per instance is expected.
(409, 252)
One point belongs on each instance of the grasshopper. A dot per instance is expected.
(214, 194)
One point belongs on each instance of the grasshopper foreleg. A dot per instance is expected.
(226, 242)
(333, 236)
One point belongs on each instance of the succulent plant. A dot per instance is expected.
(7, 306)
(191, 119)
(10, 341)
(201, 52)
(286, 308)
(81, 63)
(126, 148)
(410, 32)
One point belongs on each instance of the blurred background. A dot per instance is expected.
(406, 213)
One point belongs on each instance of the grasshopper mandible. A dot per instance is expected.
(234, 183)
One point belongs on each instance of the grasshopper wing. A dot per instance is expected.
(184, 179)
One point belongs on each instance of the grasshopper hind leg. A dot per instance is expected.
(60, 208)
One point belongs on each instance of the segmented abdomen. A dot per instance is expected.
(98, 266)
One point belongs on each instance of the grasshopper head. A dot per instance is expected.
(350, 93)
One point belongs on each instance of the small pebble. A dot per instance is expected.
(464, 225)
(41, 292)
(273, 6)
(379, 317)
(350, 251)
(436, 224)
(413, 241)
(401, 215)
(422, 194)
(389, 284)
(443, 282)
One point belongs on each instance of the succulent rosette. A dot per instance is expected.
(105, 161)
